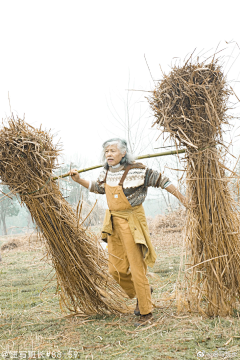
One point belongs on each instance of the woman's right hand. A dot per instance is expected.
(74, 175)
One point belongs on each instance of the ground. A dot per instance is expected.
(33, 325)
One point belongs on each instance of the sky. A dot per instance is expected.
(69, 65)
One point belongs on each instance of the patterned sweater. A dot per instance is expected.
(135, 185)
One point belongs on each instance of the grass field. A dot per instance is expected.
(33, 325)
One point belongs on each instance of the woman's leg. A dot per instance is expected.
(118, 265)
(137, 264)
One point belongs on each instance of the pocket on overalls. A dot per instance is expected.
(116, 197)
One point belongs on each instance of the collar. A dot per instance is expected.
(116, 166)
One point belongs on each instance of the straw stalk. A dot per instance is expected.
(190, 103)
(27, 160)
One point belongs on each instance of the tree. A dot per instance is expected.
(8, 206)
(129, 115)
(71, 190)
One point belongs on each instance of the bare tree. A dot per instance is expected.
(130, 119)
(8, 206)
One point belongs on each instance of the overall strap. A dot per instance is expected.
(125, 174)
(104, 181)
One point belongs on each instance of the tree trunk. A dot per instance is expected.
(3, 217)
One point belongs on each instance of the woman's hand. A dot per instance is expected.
(74, 175)
(188, 204)
(174, 191)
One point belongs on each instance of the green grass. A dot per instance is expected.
(32, 320)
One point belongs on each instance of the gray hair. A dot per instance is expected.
(122, 146)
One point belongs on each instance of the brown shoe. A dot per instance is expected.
(137, 311)
(144, 320)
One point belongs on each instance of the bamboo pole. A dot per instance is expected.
(148, 156)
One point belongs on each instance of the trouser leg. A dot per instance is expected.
(137, 264)
(118, 265)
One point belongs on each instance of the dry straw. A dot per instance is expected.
(27, 160)
(190, 103)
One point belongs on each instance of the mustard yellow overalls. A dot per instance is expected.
(129, 246)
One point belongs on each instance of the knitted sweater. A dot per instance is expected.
(135, 185)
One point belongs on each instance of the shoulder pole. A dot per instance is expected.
(148, 156)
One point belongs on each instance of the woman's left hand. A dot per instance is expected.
(188, 204)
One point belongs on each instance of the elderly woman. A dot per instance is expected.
(125, 183)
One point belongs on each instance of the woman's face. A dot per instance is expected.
(113, 155)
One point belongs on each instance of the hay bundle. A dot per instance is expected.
(191, 105)
(27, 159)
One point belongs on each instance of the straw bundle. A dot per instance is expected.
(191, 105)
(27, 159)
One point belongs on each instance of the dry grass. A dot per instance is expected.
(27, 160)
(32, 319)
(11, 244)
(191, 104)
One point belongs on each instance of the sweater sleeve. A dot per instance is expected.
(156, 179)
(97, 186)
